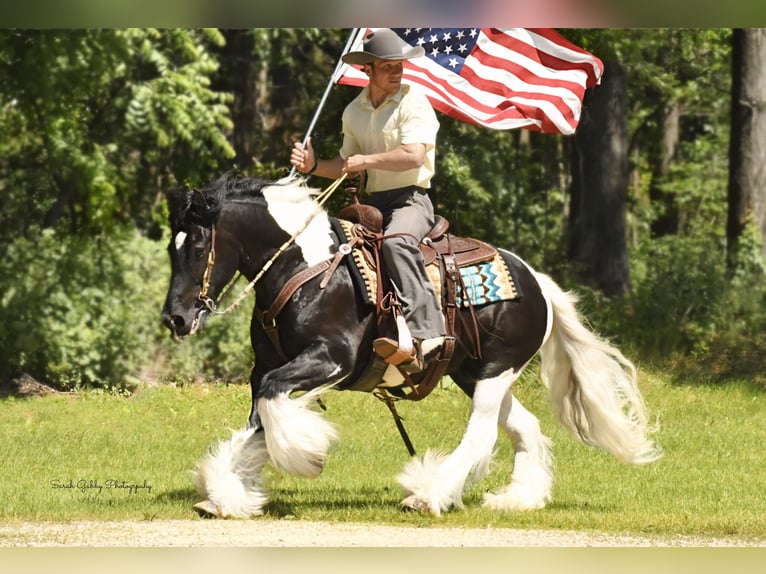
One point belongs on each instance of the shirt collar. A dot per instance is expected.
(395, 97)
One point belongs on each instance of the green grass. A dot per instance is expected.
(712, 480)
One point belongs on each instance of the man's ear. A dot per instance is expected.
(367, 69)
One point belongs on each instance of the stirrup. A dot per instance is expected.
(389, 349)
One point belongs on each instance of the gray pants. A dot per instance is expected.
(409, 211)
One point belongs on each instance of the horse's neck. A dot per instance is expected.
(258, 238)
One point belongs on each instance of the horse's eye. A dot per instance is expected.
(199, 252)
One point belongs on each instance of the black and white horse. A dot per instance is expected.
(326, 337)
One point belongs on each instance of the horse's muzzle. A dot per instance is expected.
(182, 325)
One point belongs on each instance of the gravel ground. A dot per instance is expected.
(285, 533)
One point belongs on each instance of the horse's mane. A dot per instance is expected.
(203, 206)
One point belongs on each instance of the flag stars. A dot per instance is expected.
(447, 47)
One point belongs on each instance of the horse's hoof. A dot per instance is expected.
(414, 504)
(206, 509)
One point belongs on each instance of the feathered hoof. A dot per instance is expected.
(415, 504)
(207, 509)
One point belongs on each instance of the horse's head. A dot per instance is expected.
(195, 279)
(234, 222)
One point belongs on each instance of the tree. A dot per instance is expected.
(747, 174)
(598, 247)
(276, 77)
(94, 123)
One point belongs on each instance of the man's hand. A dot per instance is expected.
(303, 158)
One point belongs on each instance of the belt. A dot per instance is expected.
(415, 188)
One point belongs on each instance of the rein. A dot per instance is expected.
(210, 304)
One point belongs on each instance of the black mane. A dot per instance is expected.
(203, 206)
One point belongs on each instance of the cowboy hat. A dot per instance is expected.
(382, 45)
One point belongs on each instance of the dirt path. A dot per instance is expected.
(283, 533)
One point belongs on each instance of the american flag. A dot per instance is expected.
(501, 78)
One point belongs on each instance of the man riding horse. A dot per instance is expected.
(389, 132)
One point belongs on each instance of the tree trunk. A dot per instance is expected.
(239, 74)
(747, 149)
(600, 176)
(667, 221)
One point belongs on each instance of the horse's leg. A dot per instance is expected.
(436, 482)
(297, 436)
(285, 430)
(229, 476)
(532, 478)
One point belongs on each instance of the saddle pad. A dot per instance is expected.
(485, 282)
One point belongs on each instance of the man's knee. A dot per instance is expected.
(400, 244)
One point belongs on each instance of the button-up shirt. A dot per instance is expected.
(405, 117)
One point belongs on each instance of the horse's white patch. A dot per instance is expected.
(291, 204)
(179, 240)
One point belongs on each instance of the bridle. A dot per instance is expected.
(207, 301)
(210, 304)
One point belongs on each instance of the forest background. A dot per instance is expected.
(654, 211)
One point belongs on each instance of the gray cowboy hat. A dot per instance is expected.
(382, 45)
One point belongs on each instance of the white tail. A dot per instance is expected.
(592, 386)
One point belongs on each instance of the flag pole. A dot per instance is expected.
(326, 92)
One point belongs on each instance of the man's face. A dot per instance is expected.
(386, 75)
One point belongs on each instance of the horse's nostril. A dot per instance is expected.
(173, 322)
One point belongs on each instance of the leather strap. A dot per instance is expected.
(292, 286)
(268, 318)
(343, 250)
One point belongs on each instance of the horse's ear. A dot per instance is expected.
(179, 199)
(204, 207)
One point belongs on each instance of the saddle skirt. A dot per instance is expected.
(484, 273)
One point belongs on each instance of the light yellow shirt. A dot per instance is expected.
(405, 117)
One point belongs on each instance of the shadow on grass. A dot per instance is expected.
(289, 501)
(179, 495)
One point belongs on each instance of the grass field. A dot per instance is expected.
(96, 456)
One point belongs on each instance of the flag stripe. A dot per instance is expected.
(528, 67)
(463, 95)
(568, 55)
(512, 77)
(458, 98)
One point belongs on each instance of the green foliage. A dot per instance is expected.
(687, 312)
(680, 298)
(174, 106)
(95, 123)
(86, 313)
(77, 312)
(504, 187)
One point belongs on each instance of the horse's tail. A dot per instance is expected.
(592, 386)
